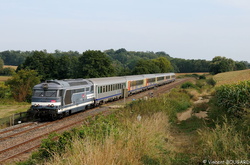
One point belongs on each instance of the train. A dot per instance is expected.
(54, 99)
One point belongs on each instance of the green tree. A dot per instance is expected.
(94, 64)
(240, 65)
(8, 71)
(164, 64)
(4, 91)
(221, 64)
(1, 65)
(66, 67)
(146, 67)
(45, 64)
(21, 84)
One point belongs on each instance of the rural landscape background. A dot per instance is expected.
(203, 121)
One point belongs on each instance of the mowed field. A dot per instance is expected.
(232, 77)
(10, 66)
(4, 78)
(8, 110)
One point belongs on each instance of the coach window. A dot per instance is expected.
(92, 89)
(111, 87)
(104, 89)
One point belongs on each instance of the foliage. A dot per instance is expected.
(7, 71)
(188, 85)
(221, 64)
(202, 76)
(67, 67)
(163, 64)
(42, 62)
(145, 67)
(1, 65)
(240, 65)
(94, 64)
(189, 66)
(14, 57)
(121, 137)
(124, 61)
(4, 91)
(211, 81)
(158, 65)
(21, 84)
(224, 142)
(235, 98)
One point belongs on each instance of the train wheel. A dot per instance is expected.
(54, 117)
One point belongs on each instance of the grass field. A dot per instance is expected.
(10, 66)
(7, 110)
(4, 78)
(232, 77)
(198, 73)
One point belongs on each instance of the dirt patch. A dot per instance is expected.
(184, 115)
(189, 113)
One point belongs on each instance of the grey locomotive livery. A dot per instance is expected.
(58, 98)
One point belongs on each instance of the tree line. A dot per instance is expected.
(40, 65)
(72, 64)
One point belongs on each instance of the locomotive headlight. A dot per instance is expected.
(52, 105)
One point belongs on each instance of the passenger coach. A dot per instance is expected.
(108, 89)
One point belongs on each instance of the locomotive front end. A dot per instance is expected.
(46, 100)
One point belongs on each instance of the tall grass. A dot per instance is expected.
(224, 142)
(136, 134)
(142, 142)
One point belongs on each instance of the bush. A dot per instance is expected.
(4, 91)
(188, 85)
(211, 81)
(202, 76)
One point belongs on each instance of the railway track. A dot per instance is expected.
(16, 143)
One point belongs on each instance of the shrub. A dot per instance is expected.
(188, 85)
(202, 77)
(4, 91)
(211, 81)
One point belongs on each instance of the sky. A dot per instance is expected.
(188, 29)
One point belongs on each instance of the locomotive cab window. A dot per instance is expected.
(45, 93)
